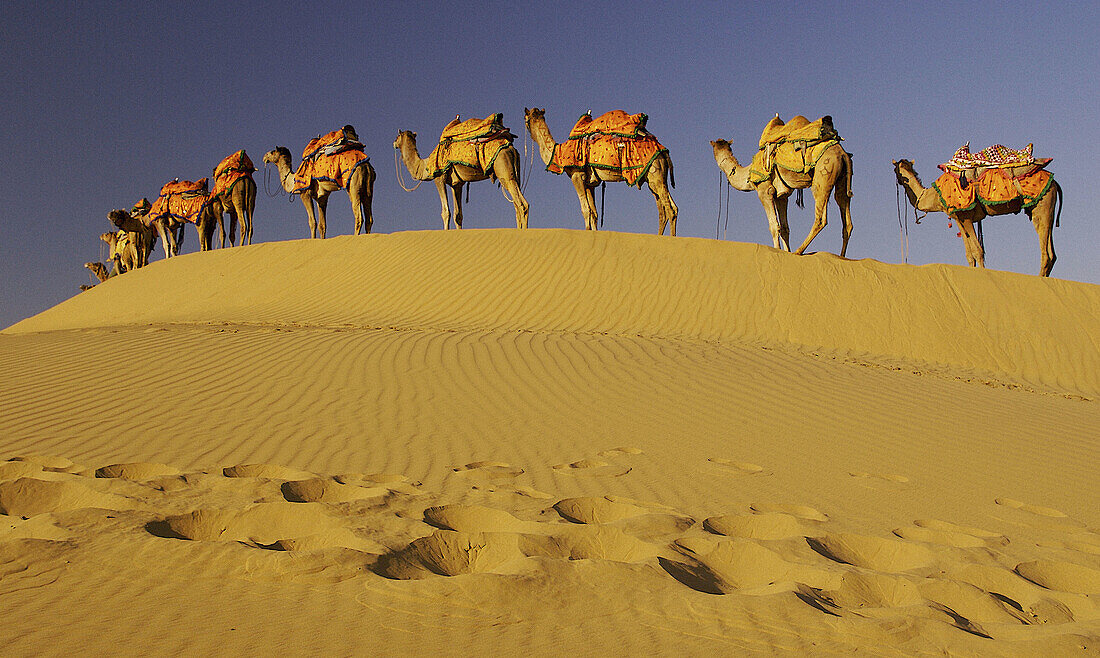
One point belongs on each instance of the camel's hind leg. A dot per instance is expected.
(821, 219)
(843, 197)
(456, 193)
(657, 179)
(588, 201)
(322, 206)
(506, 171)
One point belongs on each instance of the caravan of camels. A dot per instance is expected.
(613, 147)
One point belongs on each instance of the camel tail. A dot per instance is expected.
(671, 174)
(848, 161)
(1058, 215)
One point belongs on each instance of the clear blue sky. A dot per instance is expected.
(102, 103)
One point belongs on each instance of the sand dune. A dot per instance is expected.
(548, 442)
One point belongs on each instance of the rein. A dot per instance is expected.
(400, 178)
(722, 178)
(903, 224)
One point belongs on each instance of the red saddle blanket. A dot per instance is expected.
(182, 200)
(332, 157)
(615, 141)
(230, 171)
(996, 187)
(472, 143)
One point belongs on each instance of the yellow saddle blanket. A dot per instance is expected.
(995, 187)
(794, 146)
(183, 200)
(615, 141)
(230, 171)
(473, 143)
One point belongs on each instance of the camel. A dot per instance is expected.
(832, 173)
(140, 236)
(360, 190)
(99, 270)
(1042, 215)
(505, 169)
(585, 179)
(239, 203)
(123, 252)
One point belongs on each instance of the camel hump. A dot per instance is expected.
(491, 126)
(615, 122)
(799, 129)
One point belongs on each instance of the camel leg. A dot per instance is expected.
(441, 187)
(361, 202)
(180, 235)
(322, 206)
(781, 217)
(975, 253)
(506, 173)
(821, 218)
(307, 201)
(235, 219)
(588, 208)
(844, 201)
(767, 199)
(666, 207)
(456, 192)
(1042, 218)
(167, 239)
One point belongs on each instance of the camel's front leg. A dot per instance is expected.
(167, 238)
(441, 187)
(844, 201)
(360, 190)
(766, 192)
(588, 201)
(456, 192)
(1043, 218)
(975, 253)
(307, 201)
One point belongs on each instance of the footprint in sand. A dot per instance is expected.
(803, 512)
(1061, 576)
(741, 468)
(933, 531)
(721, 566)
(268, 471)
(592, 468)
(887, 477)
(1048, 515)
(622, 450)
(875, 553)
(489, 470)
(773, 525)
(137, 471)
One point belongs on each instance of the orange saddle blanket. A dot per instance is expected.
(473, 143)
(332, 157)
(182, 200)
(231, 171)
(994, 187)
(614, 141)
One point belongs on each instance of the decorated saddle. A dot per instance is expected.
(331, 157)
(182, 200)
(231, 171)
(473, 143)
(994, 176)
(614, 141)
(794, 146)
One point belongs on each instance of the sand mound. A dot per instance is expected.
(476, 439)
(704, 289)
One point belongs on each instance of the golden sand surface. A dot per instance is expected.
(552, 442)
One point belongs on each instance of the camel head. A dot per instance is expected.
(905, 166)
(275, 154)
(119, 217)
(110, 237)
(720, 145)
(404, 137)
(530, 114)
